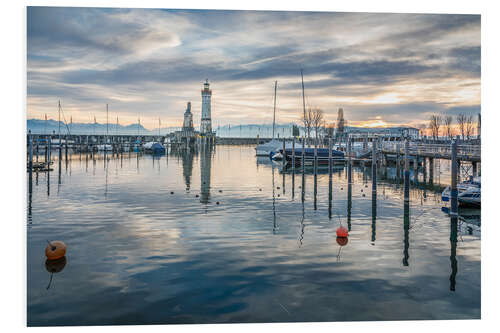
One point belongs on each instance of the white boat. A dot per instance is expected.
(265, 149)
(469, 192)
(105, 147)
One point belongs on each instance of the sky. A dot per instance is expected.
(382, 69)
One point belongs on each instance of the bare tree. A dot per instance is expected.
(479, 126)
(469, 125)
(317, 120)
(434, 125)
(448, 120)
(308, 123)
(461, 121)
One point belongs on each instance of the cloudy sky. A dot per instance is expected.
(383, 69)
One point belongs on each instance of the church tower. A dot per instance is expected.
(206, 112)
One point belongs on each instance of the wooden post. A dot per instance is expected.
(398, 162)
(37, 141)
(431, 170)
(454, 192)
(407, 172)
(330, 192)
(293, 167)
(474, 169)
(315, 158)
(349, 162)
(49, 144)
(30, 142)
(330, 157)
(284, 153)
(374, 164)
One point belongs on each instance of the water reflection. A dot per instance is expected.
(172, 262)
(205, 172)
(406, 237)
(374, 216)
(453, 252)
(53, 267)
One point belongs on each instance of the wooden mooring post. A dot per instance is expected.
(293, 167)
(330, 192)
(374, 165)
(30, 150)
(407, 172)
(454, 167)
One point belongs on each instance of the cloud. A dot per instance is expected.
(152, 61)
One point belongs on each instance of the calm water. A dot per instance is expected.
(138, 254)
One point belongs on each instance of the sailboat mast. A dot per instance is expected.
(59, 121)
(159, 125)
(303, 96)
(107, 122)
(274, 112)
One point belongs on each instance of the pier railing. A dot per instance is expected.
(464, 152)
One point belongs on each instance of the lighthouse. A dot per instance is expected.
(206, 114)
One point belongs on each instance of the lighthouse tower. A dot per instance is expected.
(206, 112)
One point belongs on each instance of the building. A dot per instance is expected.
(206, 110)
(188, 119)
(187, 134)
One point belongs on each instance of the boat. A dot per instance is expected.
(469, 192)
(105, 147)
(268, 148)
(322, 155)
(154, 147)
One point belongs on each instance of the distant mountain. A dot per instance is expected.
(38, 126)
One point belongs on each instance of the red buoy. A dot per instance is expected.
(342, 232)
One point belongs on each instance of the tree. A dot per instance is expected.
(448, 120)
(469, 125)
(434, 125)
(316, 120)
(461, 121)
(308, 123)
(295, 131)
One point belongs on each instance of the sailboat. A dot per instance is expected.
(106, 146)
(268, 148)
(322, 156)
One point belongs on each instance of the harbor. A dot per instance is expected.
(159, 229)
(189, 166)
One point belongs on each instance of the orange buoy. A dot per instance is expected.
(342, 232)
(342, 241)
(55, 250)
